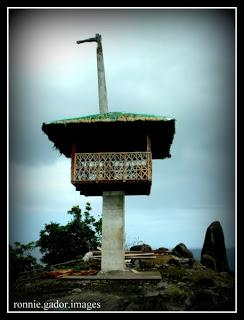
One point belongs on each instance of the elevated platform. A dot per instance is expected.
(94, 173)
(112, 132)
(112, 151)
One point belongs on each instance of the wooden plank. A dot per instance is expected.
(143, 257)
(130, 257)
(139, 254)
(127, 252)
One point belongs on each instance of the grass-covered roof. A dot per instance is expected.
(111, 117)
(113, 132)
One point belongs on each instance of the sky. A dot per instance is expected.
(175, 63)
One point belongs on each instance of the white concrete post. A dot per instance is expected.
(113, 231)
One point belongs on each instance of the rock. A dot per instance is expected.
(198, 266)
(142, 247)
(162, 266)
(162, 250)
(111, 302)
(213, 253)
(153, 293)
(206, 283)
(175, 261)
(161, 285)
(203, 299)
(181, 262)
(227, 285)
(76, 290)
(181, 251)
(88, 256)
(188, 302)
(135, 263)
(208, 261)
(181, 284)
(132, 307)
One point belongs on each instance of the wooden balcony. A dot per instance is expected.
(93, 173)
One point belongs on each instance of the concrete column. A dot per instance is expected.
(113, 231)
(102, 90)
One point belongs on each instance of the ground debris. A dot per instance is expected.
(67, 272)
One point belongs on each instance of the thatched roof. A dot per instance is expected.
(112, 131)
(111, 117)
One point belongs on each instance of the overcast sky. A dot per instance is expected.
(175, 63)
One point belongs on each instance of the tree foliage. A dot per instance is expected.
(60, 243)
(20, 259)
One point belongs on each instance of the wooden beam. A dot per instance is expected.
(148, 144)
(73, 161)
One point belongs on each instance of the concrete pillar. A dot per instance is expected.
(113, 231)
(102, 90)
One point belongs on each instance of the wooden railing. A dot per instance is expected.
(111, 167)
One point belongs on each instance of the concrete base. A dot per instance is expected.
(113, 231)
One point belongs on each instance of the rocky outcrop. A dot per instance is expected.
(213, 253)
(181, 251)
(142, 247)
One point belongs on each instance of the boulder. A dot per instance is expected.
(208, 261)
(175, 262)
(162, 250)
(213, 253)
(142, 247)
(181, 251)
(76, 290)
(181, 262)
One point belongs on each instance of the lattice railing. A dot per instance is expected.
(105, 167)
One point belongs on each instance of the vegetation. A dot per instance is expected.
(176, 293)
(20, 259)
(60, 243)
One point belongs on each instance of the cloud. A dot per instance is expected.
(41, 194)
